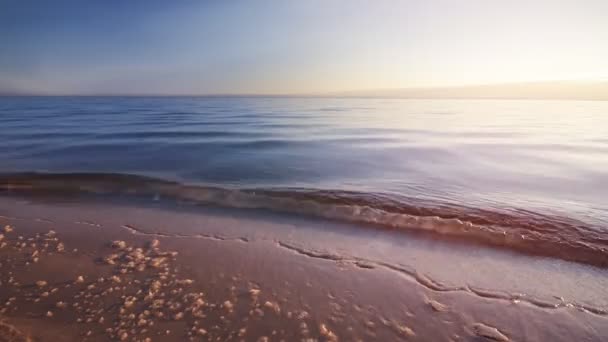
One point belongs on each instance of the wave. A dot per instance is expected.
(515, 229)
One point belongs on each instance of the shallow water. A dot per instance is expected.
(528, 167)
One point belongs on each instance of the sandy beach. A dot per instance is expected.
(327, 171)
(92, 270)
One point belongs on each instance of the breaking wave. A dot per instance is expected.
(519, 230)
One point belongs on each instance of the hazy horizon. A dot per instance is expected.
(566, 90)
(387, 48)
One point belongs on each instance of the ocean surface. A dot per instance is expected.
(526, 175)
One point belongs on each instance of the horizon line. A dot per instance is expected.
(571, 89)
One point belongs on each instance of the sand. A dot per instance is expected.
(97, 270)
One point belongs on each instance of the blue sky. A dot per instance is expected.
(284, 47)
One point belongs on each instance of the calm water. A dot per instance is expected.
(525, 160)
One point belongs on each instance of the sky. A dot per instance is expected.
(294, 47)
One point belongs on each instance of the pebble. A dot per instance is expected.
(185, 282)
(228, 305)
(274, 306)
(119, 244)
(328, 334)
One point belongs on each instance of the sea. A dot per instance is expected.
(527, 175)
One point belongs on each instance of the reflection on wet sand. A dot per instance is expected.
(116, 280)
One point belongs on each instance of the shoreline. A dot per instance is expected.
(278, 278)
(524, 231)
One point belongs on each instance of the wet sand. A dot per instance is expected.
(91, 270)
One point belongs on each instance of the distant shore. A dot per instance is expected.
(92, 271)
